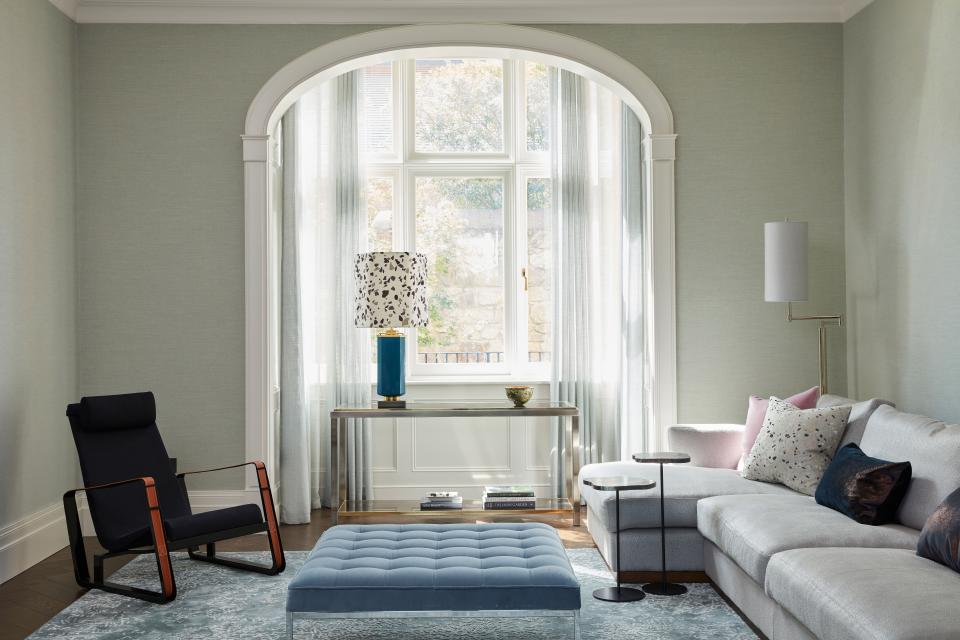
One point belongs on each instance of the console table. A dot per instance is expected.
(568, 413)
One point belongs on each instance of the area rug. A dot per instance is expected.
(217, 602)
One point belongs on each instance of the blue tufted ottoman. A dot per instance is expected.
(434, 570)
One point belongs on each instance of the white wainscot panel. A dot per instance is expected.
(461, 444)
(412, 457)
(385, 448)
(537, 444)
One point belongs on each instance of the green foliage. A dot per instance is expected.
(538, 106)
(459, 105)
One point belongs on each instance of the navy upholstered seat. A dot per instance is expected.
(140, 504)
(436, 567)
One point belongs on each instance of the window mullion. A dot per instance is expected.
(521, 318)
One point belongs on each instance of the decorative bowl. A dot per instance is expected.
(520, 395)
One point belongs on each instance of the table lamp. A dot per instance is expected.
(785, 278)
(391, 292)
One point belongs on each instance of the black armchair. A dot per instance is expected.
(139, 504)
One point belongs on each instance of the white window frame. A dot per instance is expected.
(514, 165)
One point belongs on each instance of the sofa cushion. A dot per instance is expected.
(866, 489)
(709, 445)
(940, 538)
(683, 486)
(795, 446)
(751, 529)
(933, 449)
(866, 594)
(860, 414)
(757, 413)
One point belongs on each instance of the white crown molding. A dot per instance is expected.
(68, 7)
(442, 11)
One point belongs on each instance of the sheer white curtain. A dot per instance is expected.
(325, 360)
(598, 264)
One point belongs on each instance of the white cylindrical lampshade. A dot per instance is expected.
(785, 261)
(391, 289)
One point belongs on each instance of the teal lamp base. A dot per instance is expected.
(391, 370)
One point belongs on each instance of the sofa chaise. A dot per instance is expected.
(795, 569)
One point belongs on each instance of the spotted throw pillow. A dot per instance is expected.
(795, 446)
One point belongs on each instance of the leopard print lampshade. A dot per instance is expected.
(391, 289)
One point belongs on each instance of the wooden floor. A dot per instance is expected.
(36, 595)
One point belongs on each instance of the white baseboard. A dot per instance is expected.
(39, 535)
(29, 540)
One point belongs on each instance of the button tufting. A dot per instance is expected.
(436, 567)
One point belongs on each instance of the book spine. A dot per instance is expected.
(508, 500)
(504, 494)
(440, 507)
(509, 505)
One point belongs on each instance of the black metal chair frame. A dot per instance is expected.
(162, 546)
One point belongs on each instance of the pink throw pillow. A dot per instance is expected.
(757, 411)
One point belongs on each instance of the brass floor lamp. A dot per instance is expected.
(786, 279)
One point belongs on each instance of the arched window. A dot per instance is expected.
(444, 43)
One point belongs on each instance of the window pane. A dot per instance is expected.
(379, 197)
(459, 226)
(376, 103)
(538, 106)
(459, 105)
(539, 267)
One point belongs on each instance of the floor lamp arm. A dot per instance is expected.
(825, 321)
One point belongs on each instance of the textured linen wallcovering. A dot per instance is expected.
(599, 362)
(322, 231)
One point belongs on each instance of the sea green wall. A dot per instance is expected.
(902, 177)
(37, 259)
(160, 207)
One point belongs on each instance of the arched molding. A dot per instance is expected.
(628, 82)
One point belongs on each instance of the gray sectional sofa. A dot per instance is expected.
(796, 569)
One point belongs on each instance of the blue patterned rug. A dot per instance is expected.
(217, 602)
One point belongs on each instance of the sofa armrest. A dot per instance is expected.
(709, 445)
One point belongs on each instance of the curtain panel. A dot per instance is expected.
(325, 360)
(598, 270)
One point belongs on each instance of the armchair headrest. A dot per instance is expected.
(111, 413)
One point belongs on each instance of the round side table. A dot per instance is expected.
(618, 484)
(663, 588)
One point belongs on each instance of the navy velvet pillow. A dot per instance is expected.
(863, 488)
(941, 533)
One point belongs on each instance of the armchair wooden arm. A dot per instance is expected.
(266, 500)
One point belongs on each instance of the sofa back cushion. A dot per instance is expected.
(829, 400)
(931, 447)
(859, 415)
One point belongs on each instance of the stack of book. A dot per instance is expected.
(511, 497)
(441, 501)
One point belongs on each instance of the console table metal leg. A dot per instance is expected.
(574, 493)
(343, 476)
(338, 468)
(334, 476)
